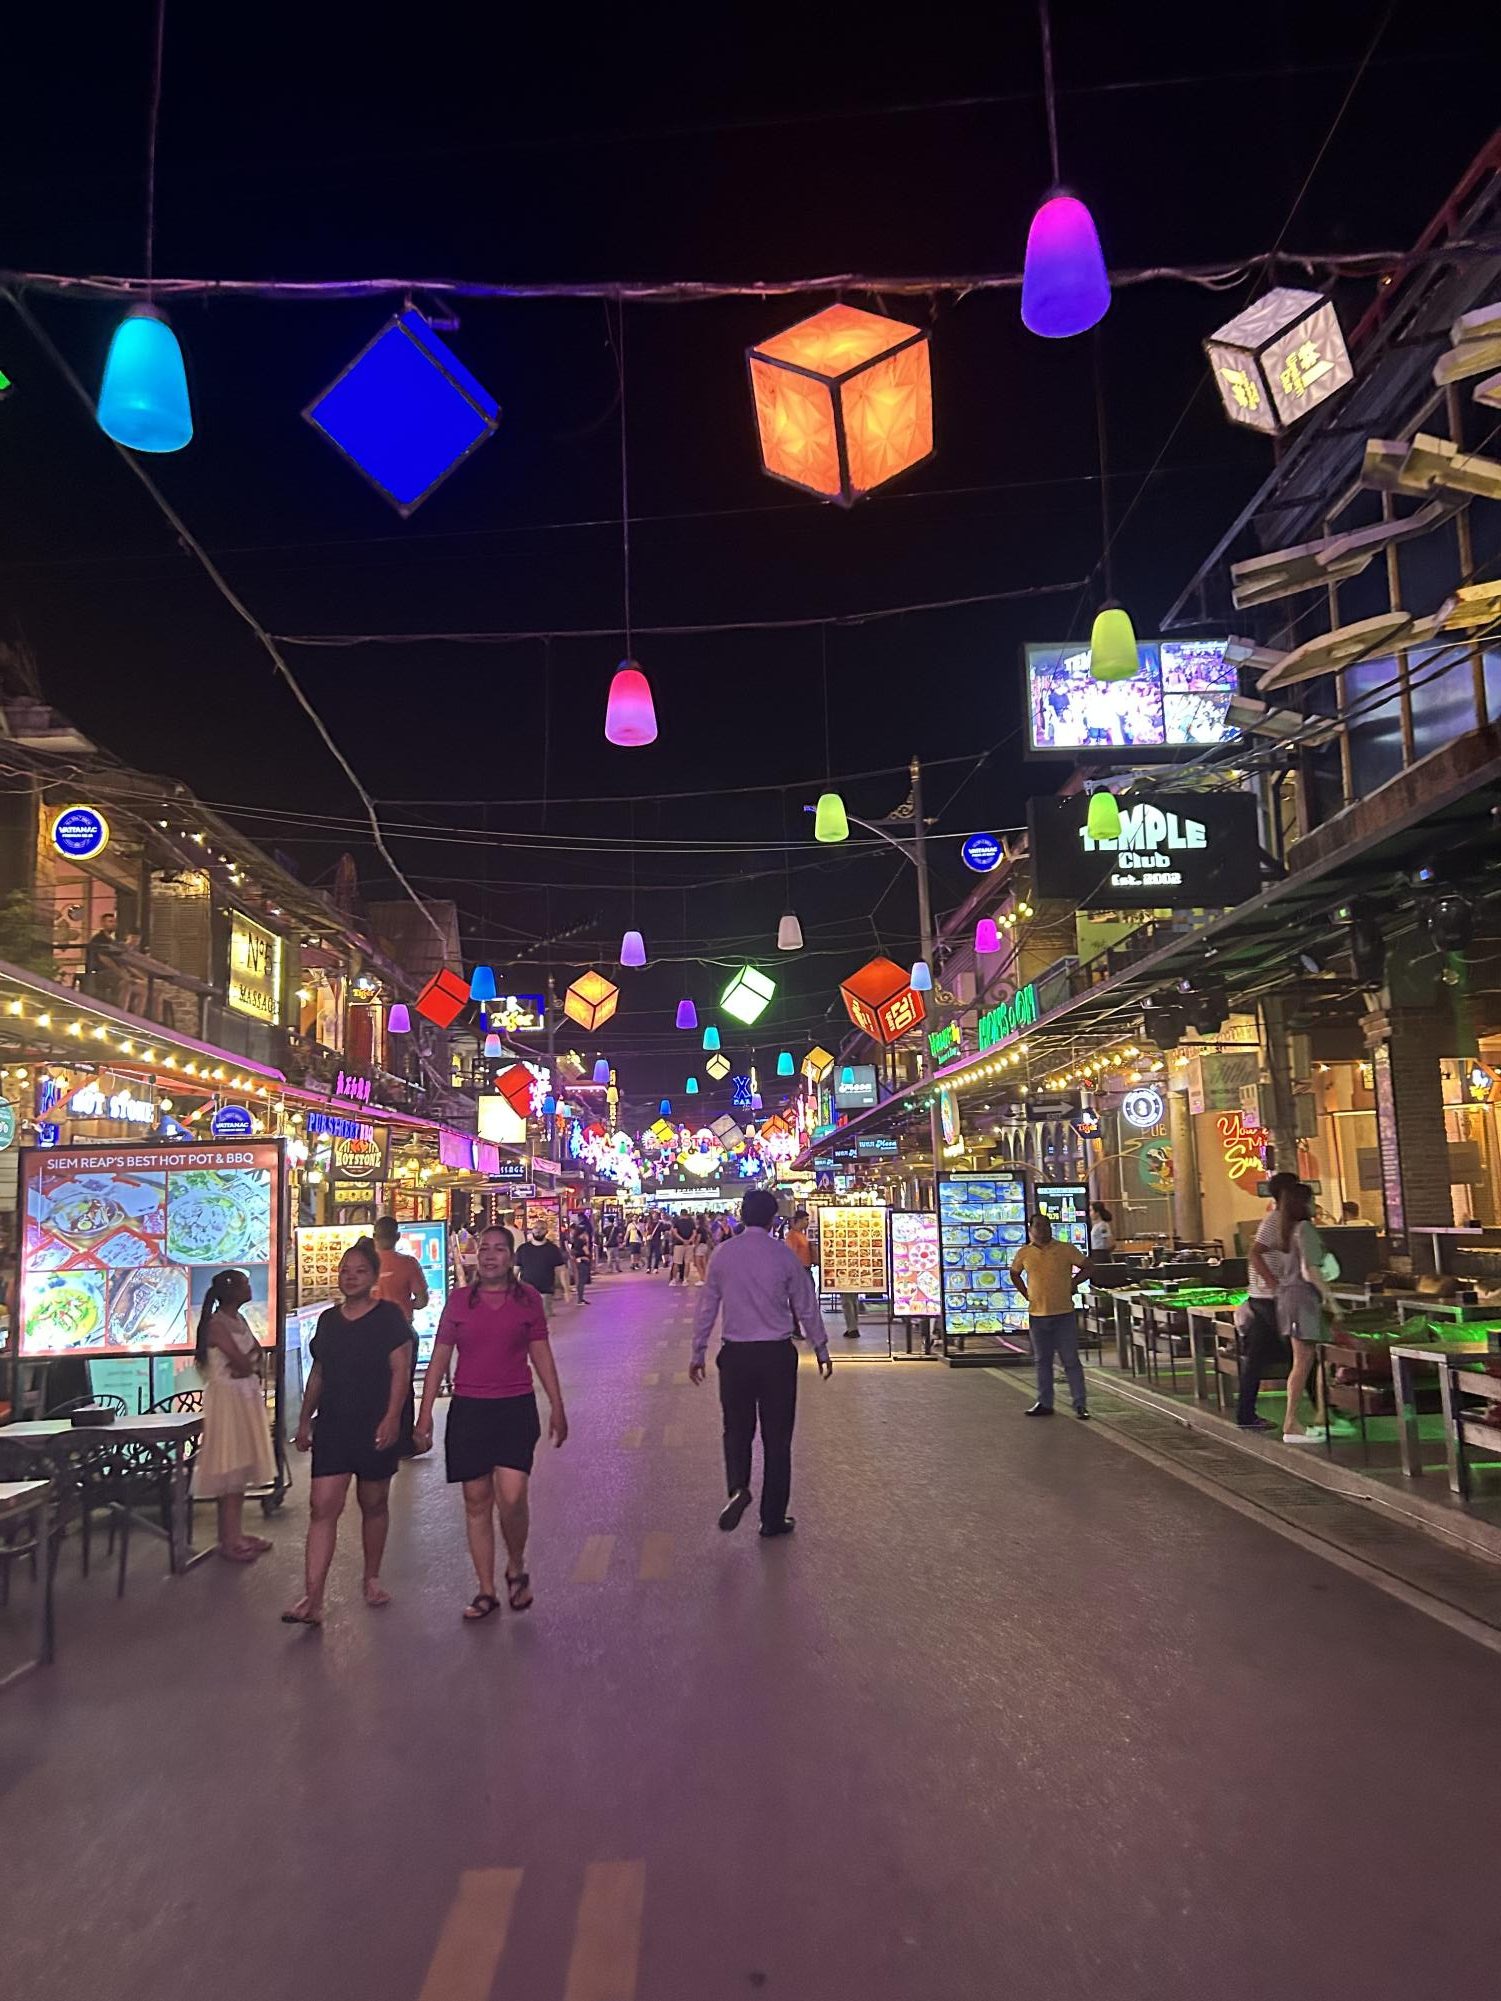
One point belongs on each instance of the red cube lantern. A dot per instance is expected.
(844, 402)
(443, 999)
(881, 1001)
(515, 1086)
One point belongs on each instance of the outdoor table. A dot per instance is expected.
(1446, 1356)
(20, 1500)
(54, 1440)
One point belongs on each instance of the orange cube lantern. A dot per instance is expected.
(591, 1000)
(443, 999)
(881, 1001)
(844, 402)
(515, 1086)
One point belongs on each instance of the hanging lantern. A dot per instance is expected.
(143, 399)
(633, 949)
(847, 1075)
(399, 1020)
(921, 979)
(515, 1086)
(1065, 288)
(665, 1108)
(687, 1016)
(830, 821)
(691, 1087)
(1112, 645)
(630, 714)
(711, 1037)
(817, 1064)
(748, 995)
(443, 999)
(844, 402)
(549, 1106)
(880, 1001)
(718, 1066)
(789, 934)
(602, 1071)
(755, 1103)
(493, 1046)
(785, 1065)
(1104, 822)
(1279, 359)
(987, 938)
(591, 1000)
(482, 984)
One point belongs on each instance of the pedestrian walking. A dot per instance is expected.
(351, 1422)
(235, 1451)
(699, 1252)
(656, 1241)
(403, 1282)
(581, 1256)
(758, 1292)
(635, 1242)
(538, 1260)
(1306, 1311)
(1261, 1344)
(798, 1241)
(464, 1253)
(1043, 1272)
(615, 1243)
(680, 1245)
(499, 1332)
(1101, 1230)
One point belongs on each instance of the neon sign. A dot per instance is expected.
(1244, 1145)
(998, 1024)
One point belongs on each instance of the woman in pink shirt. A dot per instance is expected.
(498, 1329)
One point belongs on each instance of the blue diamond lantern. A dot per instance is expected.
(405, 411)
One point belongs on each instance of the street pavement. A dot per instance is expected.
(1012, 1714)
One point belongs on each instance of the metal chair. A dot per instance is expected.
(182, 1403)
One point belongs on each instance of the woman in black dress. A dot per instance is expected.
(351, 1419)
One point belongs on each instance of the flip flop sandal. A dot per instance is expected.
(302, 1618)
(516, 1587)
(481, 1607)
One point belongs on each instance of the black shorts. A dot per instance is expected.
(339, 1451)
(484, 1433)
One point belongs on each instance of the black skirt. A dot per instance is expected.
(484, 1433)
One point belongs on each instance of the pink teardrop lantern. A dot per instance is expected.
(630, 715)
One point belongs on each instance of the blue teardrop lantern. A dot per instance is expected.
(143, 399)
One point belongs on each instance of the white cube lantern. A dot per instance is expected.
(1279, 359)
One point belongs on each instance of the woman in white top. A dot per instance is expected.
(1101, 1230)
(1305, 1305)
(235, 1452)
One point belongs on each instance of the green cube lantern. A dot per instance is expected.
(748, 995)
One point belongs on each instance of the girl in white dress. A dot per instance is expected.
(236, 1449)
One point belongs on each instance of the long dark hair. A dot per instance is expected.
(213, 1301)
(497, 1230)
(1297, 1207)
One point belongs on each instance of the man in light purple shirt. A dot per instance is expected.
(760, 1292)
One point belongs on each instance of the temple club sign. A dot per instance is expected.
(999, 1024)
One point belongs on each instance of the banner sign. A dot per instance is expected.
(998, 1024)
(1177, 851)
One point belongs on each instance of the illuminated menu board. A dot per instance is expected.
(120, 1243)
(916, 1291)
(982, 1219)
(852, 1249)
(1066, 1206)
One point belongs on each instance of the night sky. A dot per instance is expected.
(763, 145)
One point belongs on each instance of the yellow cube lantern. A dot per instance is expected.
(718, 1066)
(591, 1000)
(844, 402)
(817, 1064)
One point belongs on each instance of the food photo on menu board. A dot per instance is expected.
(119, 1248)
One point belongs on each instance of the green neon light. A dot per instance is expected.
(945, 1042)
(999, 1024)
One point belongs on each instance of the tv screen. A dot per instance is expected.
(1178, 701)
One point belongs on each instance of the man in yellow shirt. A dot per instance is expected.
(1043, 1273)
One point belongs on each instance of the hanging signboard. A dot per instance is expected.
(855, 1087)
(1179, 697)
(80, 833)
(852, 1249)
(254, 970)
(982, 853)
(916, 1290)
(120, 1243)
(1175, 850)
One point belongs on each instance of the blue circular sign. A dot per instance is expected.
(982, 853)
(231, 1122)
(80, 832)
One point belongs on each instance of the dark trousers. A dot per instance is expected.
(758, 1384)
(1262, 1348)
(1057, 1335)
(583, 1271)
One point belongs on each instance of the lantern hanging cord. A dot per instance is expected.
(1220, 276)
(153, 120)
(1046, 23)
(625, 476)
(669, 631)
(236, 604)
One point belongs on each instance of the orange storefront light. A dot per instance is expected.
(844, 402)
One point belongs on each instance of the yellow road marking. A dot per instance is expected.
(607, 1938)
(656, 1558)
(473, 1937)
(651, 1379)
(594, 1559)
(633, 1438)
(680, 1377)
